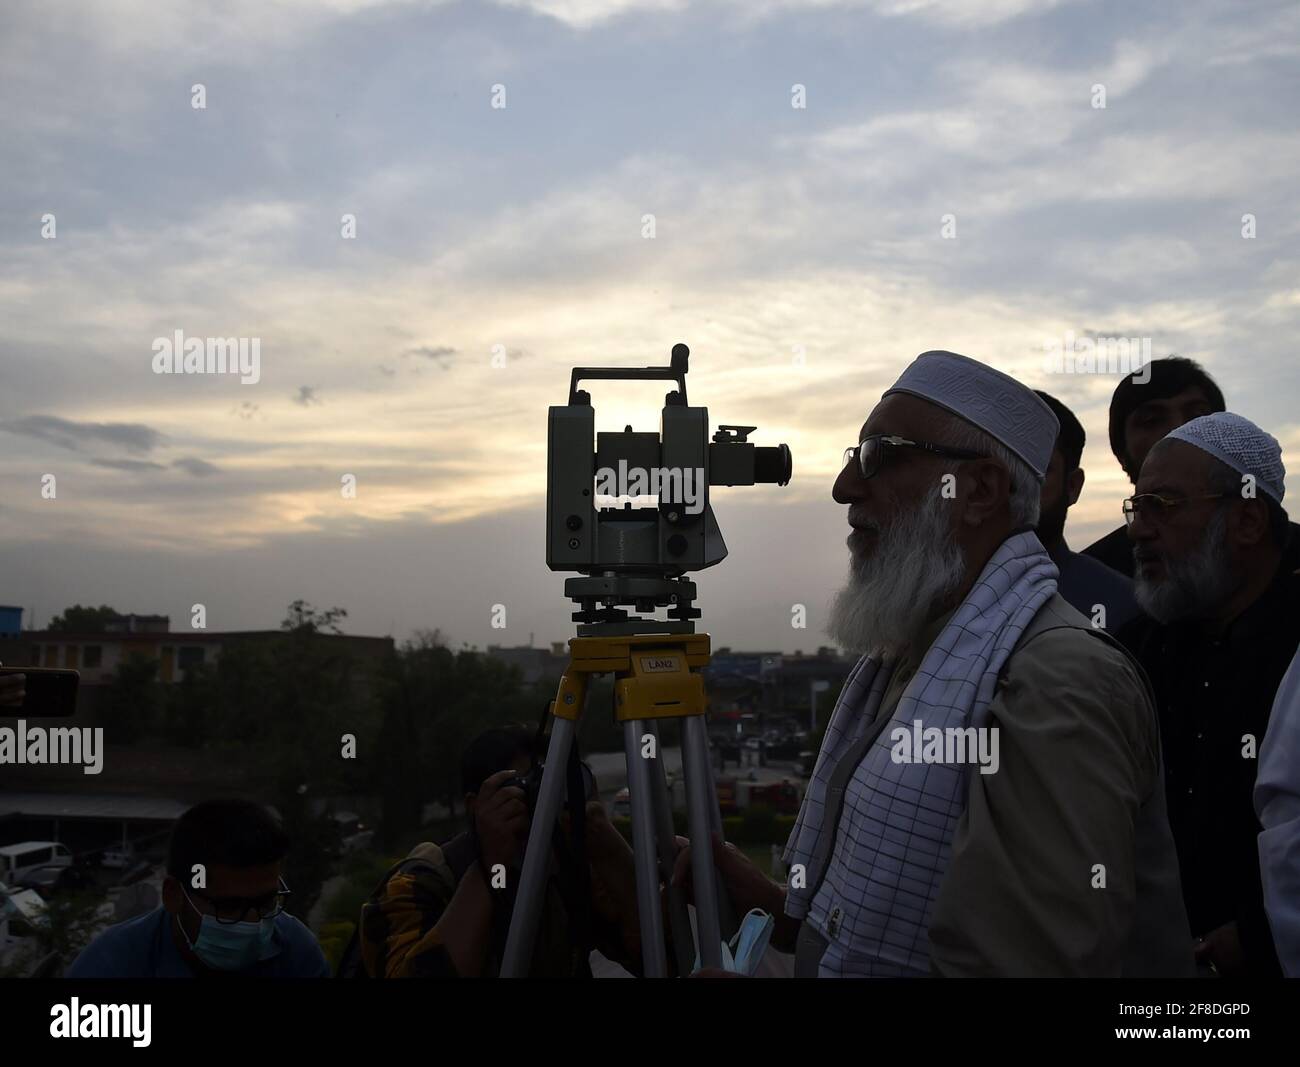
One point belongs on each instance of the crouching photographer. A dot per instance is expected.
(444, 911)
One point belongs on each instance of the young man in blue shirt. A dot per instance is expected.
(223, 907)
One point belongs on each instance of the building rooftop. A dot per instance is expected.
(88, 806)
(172, 636)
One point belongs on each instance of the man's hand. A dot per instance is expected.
(747, 886)
(605, 845)
(501, 820)
(13, 690)
(1221, 948)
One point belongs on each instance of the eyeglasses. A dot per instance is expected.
(870, 452)
(231, 910)
(1158, 508)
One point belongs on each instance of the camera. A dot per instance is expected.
(531, 784)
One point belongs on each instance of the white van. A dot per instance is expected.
(18, 861)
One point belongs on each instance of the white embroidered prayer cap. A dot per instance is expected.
(988, 399)
(1240, 444)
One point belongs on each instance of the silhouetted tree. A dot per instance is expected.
(134, 700)
(77, 619)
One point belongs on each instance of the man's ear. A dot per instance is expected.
(987, 486)
(1074, 486)
(1252, 527)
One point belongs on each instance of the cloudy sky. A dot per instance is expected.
(799, 250)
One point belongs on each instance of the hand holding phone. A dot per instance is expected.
(13, 689)
(38, 693)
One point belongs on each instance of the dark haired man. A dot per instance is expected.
(1145, 406)
(223, 907)
(1085, 583)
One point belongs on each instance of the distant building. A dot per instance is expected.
(139, 624)
(534, 664)
(729, 668)
(825, 665)
(97, 656)
(11, 623)
(771, 685)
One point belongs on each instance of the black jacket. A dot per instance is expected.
(1212, 691)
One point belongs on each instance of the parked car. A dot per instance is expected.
(52, 879)
(781, 797)
(118, 857)
(22, 912)
(18, 861)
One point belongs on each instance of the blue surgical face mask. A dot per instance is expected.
(232, 946)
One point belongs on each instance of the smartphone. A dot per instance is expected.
(50, 694)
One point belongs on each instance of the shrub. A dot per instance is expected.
(758, 825)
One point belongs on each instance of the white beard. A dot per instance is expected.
(892, 593)
(1192, 587)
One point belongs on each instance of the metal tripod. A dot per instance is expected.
(656, 677)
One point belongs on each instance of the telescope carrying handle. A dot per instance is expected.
(675, 372)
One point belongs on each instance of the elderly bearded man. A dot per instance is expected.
(1061, 861)
(1209, 535)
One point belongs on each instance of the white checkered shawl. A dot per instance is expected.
(895, 832)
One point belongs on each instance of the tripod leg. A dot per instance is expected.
(522, 939)
(679, 917)
(695, 758)
(715, 809)
(640, 792)
(726, 913)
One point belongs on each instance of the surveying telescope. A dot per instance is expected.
(631, 563)
(637, 556)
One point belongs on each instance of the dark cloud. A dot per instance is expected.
(200, 468)
(307, 396)
(1130, 331)
(136, 466)
(443, 355)
(131, 436)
